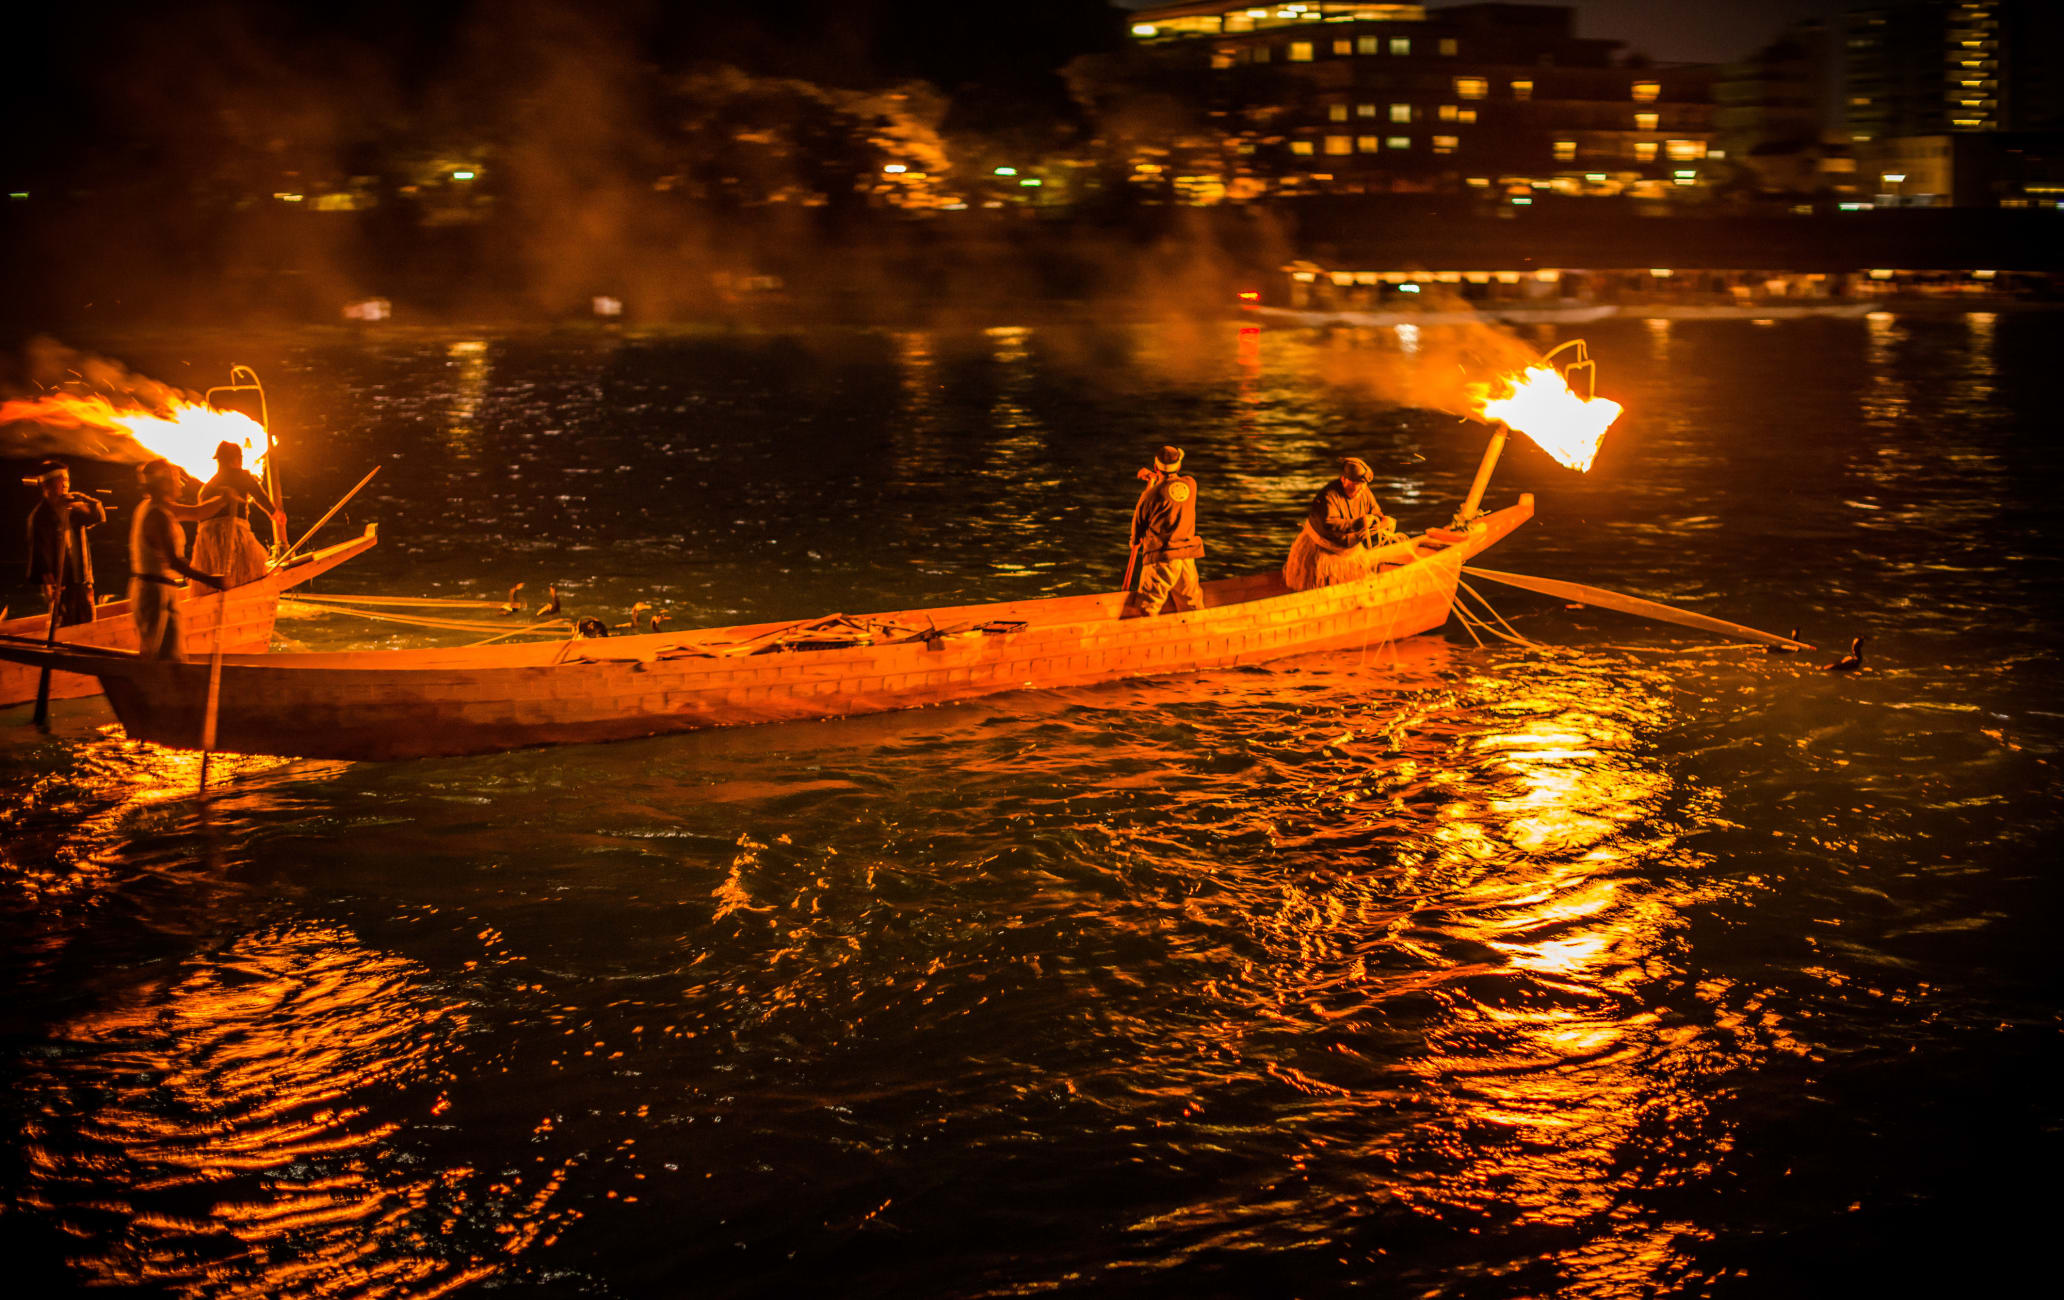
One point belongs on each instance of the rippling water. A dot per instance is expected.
(1628, 965)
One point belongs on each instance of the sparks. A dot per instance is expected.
(185, 433)
(1540, 404)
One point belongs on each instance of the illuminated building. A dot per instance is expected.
(1502, 100)
(1957, 103)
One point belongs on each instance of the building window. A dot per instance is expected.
(1397, 142)
(1644, 151)
(1304, 147)
(1565, 150)
(1466, 115)
(1336, 112)
(1365, 110)
(1400, 112)
(1339, 144)
(1471, 87)
(1686, 150)
(1646, 121)
(1446, 143)
(1400, 45)
(1367, 143)
(1367, 45)
(1447, 112)
(1645, 92)
(1448, 47)
(1343, 46)
(1522, 90)
(1300, 51)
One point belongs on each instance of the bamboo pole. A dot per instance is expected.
(41, 717)
(214, 690)
(1471, 506)
(1635, 605)
(289, 553)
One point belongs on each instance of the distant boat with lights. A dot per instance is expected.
(396, 704)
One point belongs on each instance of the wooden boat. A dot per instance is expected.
(244, 614)
(422, 703)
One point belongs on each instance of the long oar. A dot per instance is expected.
(288, 554)
(1639, 608)
(214, 686)
(41, 718)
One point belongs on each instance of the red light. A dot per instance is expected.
(1250, 296)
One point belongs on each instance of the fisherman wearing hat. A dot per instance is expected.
(59, 561)
(157, 551)
(1164, 537)
(224, 543)
(1333, 545)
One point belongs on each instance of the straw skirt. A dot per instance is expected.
(225, 545)
(1314, 563)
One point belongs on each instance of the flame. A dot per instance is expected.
(1539, 403)
(184, 432)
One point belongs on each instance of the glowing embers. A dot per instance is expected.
(183, 432)
(1539, 403)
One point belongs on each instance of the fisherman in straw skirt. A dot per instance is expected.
(224, 544)
(1164, 537)
(1333, 545)
(157, 546)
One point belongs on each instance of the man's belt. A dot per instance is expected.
(1323, 544)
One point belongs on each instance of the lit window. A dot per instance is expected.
(1686, 150)
(1367, 45)
(1646, 121)
(1400, 112)
(1644, 151)
(1365, 110)
(1466, 115)
(1448, 47)
(1471, 87)
(1400, 45)
(1367, 143)
(1645, 92)
(1305, 147)
(1447, 112)
(1565, 149)
(1339, 144)
(1522, 90)
(1397, 142)
(1343, 46)
(1300, 51)
(1446, 143)
(1336, 112)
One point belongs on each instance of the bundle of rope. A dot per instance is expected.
(554, 627)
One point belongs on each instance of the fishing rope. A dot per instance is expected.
(1518, 637)
(325, 598)
(417, 620)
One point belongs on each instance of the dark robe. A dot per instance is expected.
(61, 530)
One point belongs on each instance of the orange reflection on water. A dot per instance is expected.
(231, 1132)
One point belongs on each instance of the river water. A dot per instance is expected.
(1629, 964)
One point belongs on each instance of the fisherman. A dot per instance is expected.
(58, 558)
(1344, 520)
(157, 546)
(224, 543)
(1164, 537)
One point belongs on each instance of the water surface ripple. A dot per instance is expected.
(1630, 965)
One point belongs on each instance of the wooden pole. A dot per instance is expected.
(214, 685)
(1600, 598)
(41, 717)
(288, 554)
(1471, 505)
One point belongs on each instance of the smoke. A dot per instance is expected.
(1445, 364)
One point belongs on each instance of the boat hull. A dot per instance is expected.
(420, 704)
(242, 616)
